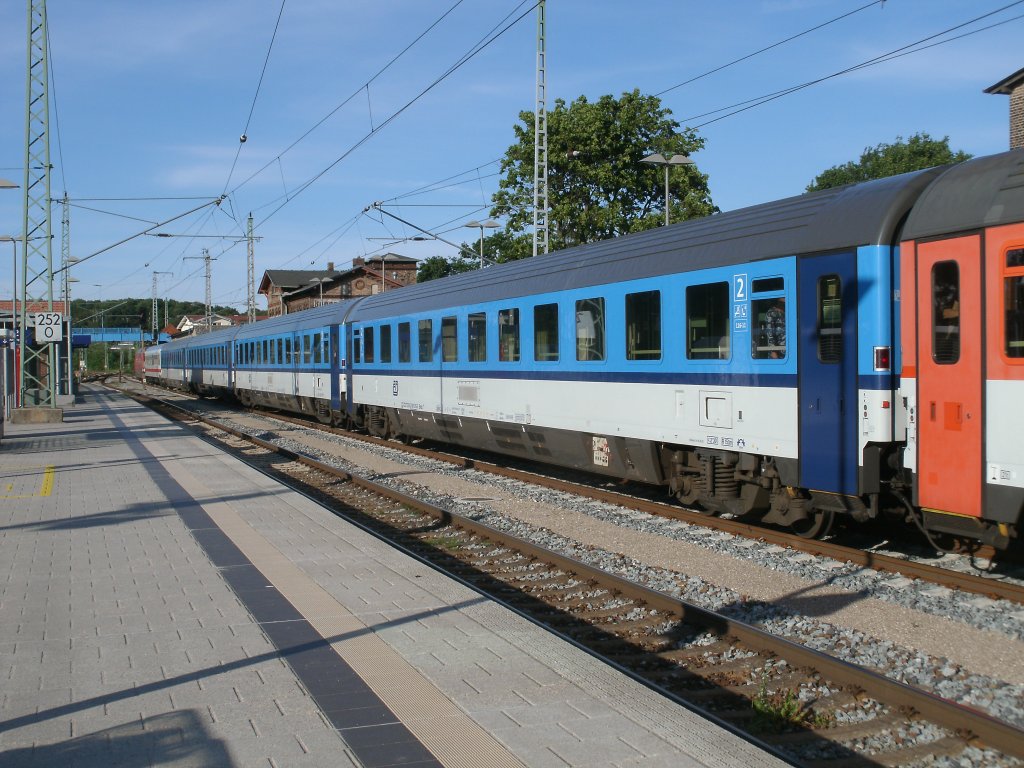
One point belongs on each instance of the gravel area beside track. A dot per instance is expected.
(963, 647)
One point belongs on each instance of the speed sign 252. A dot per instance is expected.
(49, 326)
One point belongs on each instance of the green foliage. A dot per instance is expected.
(781, 710)
(120, 313)
(435, 267)
(918, 152)
(597, 186)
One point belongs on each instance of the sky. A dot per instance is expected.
(376, 100)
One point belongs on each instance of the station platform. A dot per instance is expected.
(163, 604)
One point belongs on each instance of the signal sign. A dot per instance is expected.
(49, 327)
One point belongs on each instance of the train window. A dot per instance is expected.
(404, 343)
(289, 358)
(318, 348)
(1013, 303)
(477, 337)
(357, 345)
(766, 284)
(707, 321)
(643, 326)
(385, 343)
(830, 319)
(545, 332)
(368, 351)
(590, 329)
(508, 335)
(945, 312)
(768, 329)
(426, 341)
(449, 340)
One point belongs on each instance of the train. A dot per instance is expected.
(853, 353)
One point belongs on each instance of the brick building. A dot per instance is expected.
(1013, 86)
(292, 290)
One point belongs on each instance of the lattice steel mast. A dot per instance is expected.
(251, 296)
(540, 143)
(37, 371)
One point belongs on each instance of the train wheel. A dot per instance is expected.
(816, 525)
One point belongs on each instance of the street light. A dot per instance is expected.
(482, 225)
(659, 159)
(10, 375)
(68, 279)
(103, 328)
(320, 281)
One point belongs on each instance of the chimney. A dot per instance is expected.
(358, 261)
(1013, 86)
(330, 266)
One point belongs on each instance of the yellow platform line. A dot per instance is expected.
(44, 490)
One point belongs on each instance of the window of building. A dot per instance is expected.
(1013, 303)
(643, 326)
(477, 327)
(449, 340)
(545, 332)
(830, 319)
(590, 329)
(426, 341)
(707, 321)
(369, 353)
(404, 343)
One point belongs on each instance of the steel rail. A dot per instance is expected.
(988, 730)
(966, 582)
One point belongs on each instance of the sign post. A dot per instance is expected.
(49, 327)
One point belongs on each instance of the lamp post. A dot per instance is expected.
(11, 375)
(14, 271)
(482, 225)
(68, 280)
(320, 281)
(659, 159)
(103, 328)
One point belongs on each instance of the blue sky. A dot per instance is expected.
(151, 99)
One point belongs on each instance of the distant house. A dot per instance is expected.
(1013, 86)
(197, 324)
(292, 290)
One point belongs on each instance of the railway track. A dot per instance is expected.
(813, 708)
(970, 583)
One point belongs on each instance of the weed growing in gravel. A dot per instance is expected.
(450, 543)
(781, 710)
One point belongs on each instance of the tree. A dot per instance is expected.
(597, 186)
(917, 152)
(435, 267)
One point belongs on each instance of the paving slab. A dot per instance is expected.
(161, 603)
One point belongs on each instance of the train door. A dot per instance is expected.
(334, 350)
(949, 375)
(827, 324)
